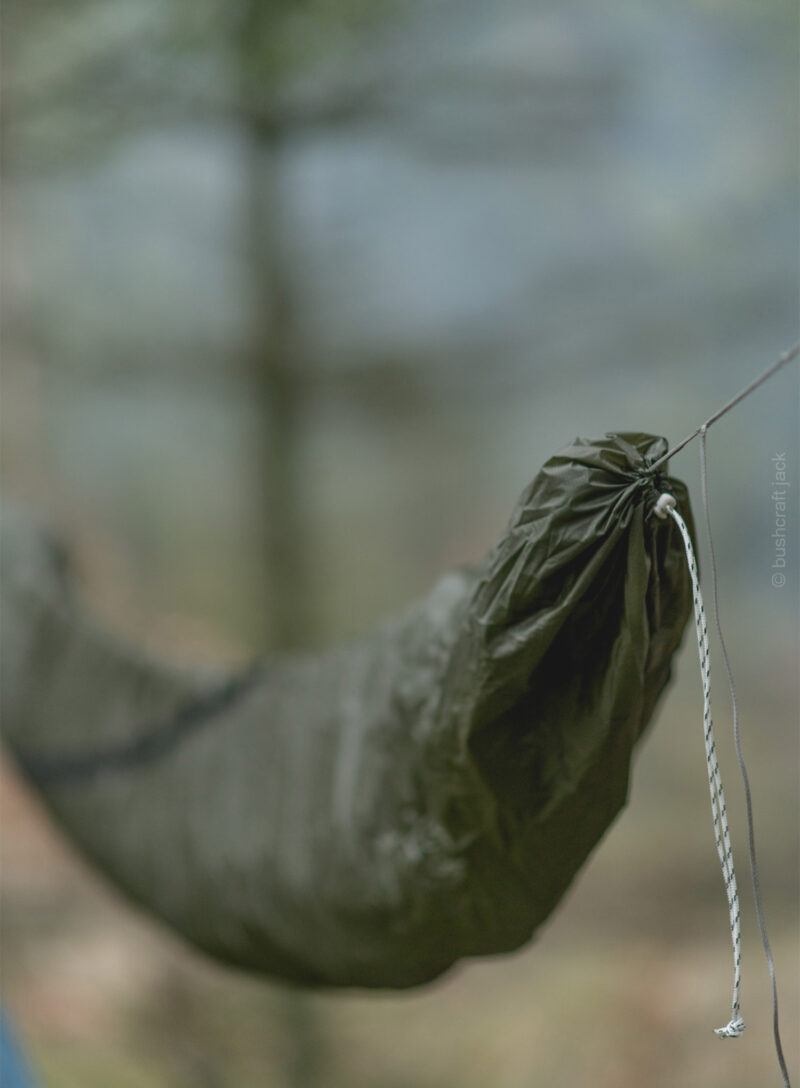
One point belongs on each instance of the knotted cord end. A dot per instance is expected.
(732, 1030)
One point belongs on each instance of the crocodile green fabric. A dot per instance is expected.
(372, 814)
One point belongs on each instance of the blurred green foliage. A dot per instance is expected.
(578, 220)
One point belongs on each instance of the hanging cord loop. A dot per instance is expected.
(665, 507)
(751, 839)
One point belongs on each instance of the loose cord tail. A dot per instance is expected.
(742, 767)
(666, 507)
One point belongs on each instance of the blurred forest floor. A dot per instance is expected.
(621, 989)
(589, 223)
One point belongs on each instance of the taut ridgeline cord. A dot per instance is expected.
(665, 507)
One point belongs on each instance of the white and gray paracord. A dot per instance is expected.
(666, 507)
(751, 834)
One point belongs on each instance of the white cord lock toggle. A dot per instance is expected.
(664, 504)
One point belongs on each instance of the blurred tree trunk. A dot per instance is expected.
(272, 351)
(282, 616)
(273, 365)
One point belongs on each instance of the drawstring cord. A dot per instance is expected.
(665, 507)
(751, 839)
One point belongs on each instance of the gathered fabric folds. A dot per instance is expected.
(370, 815)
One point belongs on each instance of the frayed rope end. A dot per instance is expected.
(732, 1030)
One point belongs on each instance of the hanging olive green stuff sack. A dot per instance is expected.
(370, 815)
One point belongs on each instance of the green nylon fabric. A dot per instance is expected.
(370, 815)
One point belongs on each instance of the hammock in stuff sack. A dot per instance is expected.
(370, 815)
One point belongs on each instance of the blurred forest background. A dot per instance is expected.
(297, 296)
